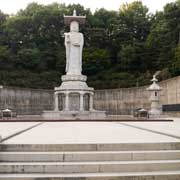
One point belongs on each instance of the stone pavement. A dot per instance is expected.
(90, 150)
(90, 132)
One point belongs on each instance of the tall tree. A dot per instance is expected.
(163, 37)
(132, 30)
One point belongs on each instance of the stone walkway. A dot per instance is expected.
(89, 132)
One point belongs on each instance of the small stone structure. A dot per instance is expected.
(156, 108)
(76, 97)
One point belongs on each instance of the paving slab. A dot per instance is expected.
(92, 133)
(8, 129)
(169, 128)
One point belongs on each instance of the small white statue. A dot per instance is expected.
(74, 42)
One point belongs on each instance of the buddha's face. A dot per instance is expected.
(74, 27)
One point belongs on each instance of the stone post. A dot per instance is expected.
(66, 101)
(81, 101)
(56, 102)
(91, 102)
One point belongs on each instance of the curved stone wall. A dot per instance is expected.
(125, 101)
(114, 101)
(26, 101)
(121, 101)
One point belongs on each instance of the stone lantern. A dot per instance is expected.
(155, 89)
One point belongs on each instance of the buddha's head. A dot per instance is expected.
(74, 27)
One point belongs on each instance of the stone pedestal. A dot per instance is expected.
(74, 106)
(74, 115)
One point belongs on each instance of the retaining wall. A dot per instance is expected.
(26, 101)
(114, 101)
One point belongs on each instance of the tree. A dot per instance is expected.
(176, 64)
(131, 32)
(95, 60)
(134, 22)
(6, 59)
(30, 10)
(121, 47)
(163, 37)
(28, 58)
(18, 31)
(48, 27)
(3, 17)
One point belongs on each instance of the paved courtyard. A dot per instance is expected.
(89, 132)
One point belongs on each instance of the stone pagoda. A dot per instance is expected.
(155, 89)
(74, 99)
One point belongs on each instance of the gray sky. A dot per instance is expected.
(12, 6)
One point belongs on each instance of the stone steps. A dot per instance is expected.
(124, 161)
(90, 147)
(89, 156)
(89, 167)
(158, 175)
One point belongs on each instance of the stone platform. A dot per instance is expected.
(77, 103)
(90, 151)
(74, 115)
(108, 118)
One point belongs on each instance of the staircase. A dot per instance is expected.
(128, 161)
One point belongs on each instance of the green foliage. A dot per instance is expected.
(28, 58)
(6, 61)
(122, 48)
(176, 64)
(95, 60)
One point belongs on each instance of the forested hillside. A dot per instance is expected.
(122, 48)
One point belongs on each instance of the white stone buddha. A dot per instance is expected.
(74, 42)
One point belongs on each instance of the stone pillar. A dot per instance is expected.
(91, 102)
(56, 102)
(66, 101)
(81, 101)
